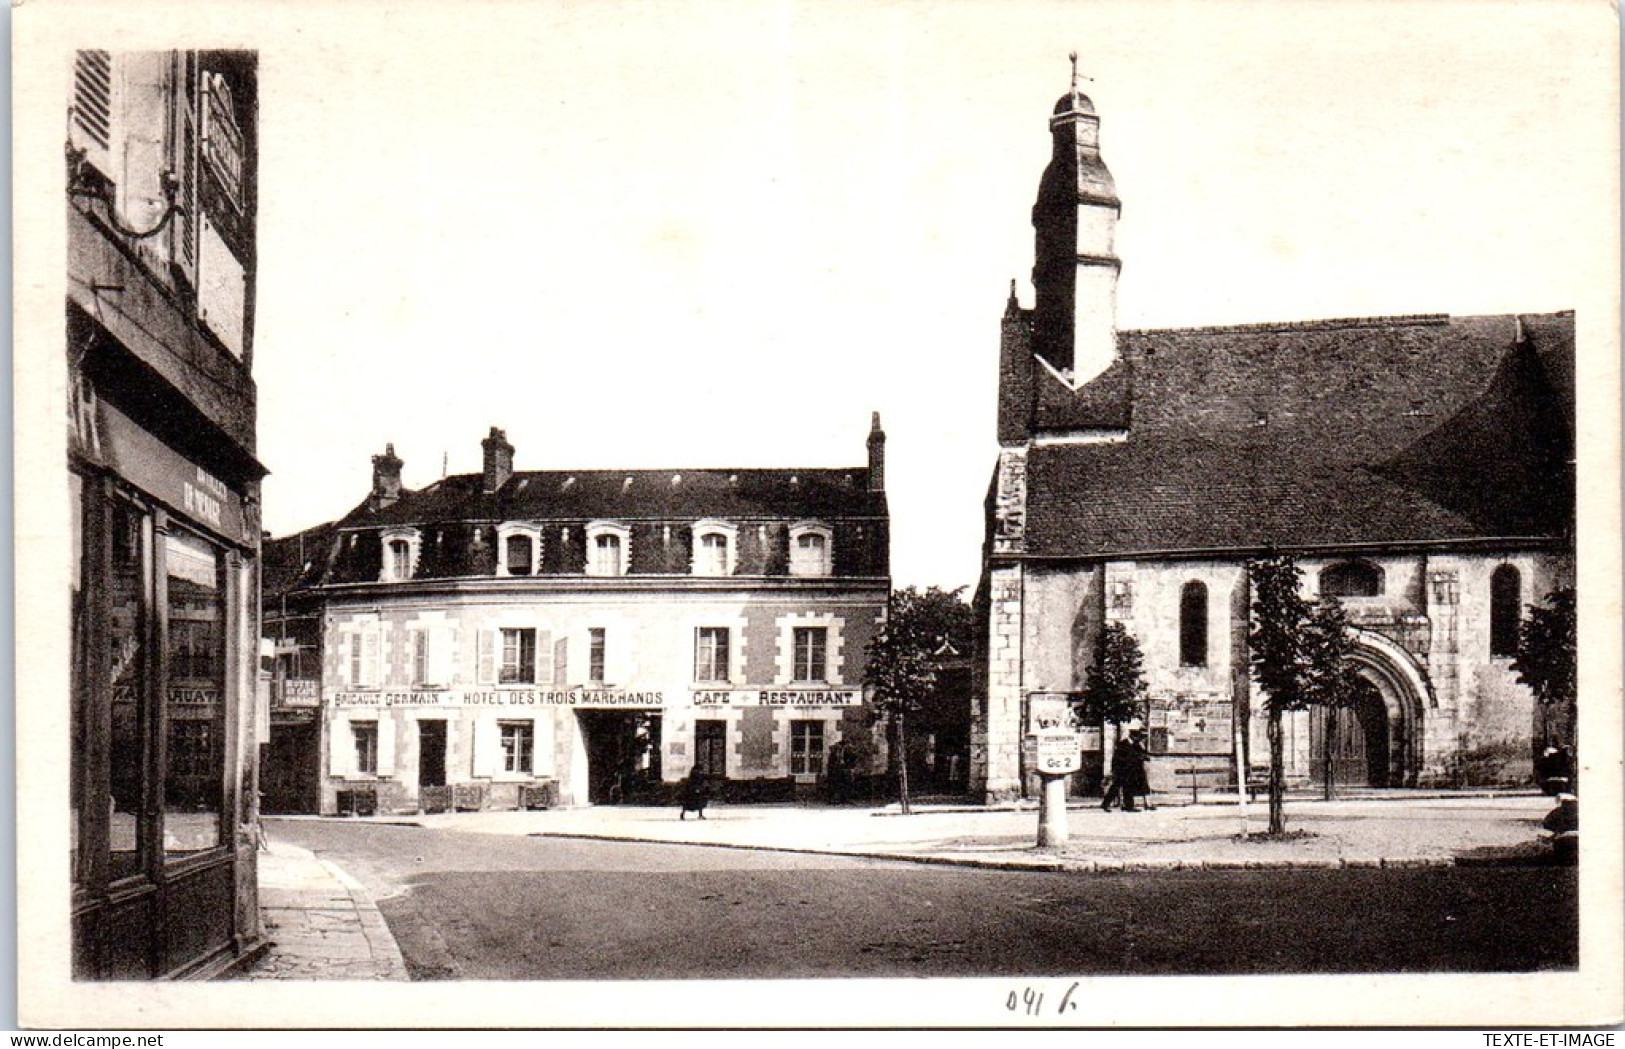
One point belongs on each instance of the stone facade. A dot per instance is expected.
(1406, 464)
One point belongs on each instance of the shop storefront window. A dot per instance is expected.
(76, 685)
(195, 706)
(128, 572)
(806, 748)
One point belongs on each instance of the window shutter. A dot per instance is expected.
(340, 749)
(183, 226)
(369, 655)
(487, 748)
(561, 661)
(346, 646)
(486, 656)
(92, 126)
(386, 743)
(544, 656)
(439, 640)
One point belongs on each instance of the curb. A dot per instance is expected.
(1062, 864)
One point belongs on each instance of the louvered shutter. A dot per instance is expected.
(183, 228)
(486, 657)
(369, 655)
(544, 657)
(347, 642)
(91, 128)
(340, 748)
(561, 661)
(439, 640)
(487, 748)
(386, 743)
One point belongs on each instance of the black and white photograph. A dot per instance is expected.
(759, 513)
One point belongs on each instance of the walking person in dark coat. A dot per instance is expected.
(696, 792)
(1128, 773)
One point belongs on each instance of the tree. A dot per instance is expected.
(901, 667)
(1330, 680)
(1546, 660)
(1299, 656)
(1115, 689)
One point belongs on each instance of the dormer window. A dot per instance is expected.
(809, 549)
(519, 549)
(607, 548)
(714, 547)
(400, 555)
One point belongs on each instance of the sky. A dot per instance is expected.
(722, 234)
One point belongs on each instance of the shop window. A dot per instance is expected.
(711, 654)
(1193, 625)
(365, 734)
(518, 741)
(76, 672)
(809, 550)
(595, 655)
(195, 706)
(811, 661)
(518, 656)
(1506, 609)
(1351, 579)
(806, 748)
(128, 575)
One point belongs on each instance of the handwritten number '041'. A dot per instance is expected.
(1032, 1002)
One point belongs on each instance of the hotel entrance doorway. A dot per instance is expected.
(623, 755)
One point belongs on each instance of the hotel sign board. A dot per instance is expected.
(600, 698)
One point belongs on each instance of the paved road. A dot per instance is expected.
(493, 907)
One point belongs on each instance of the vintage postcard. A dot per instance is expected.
(774, 514)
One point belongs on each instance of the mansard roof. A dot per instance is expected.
(628, 495)
(1380, 430)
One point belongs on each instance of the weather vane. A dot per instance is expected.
(1076, 76)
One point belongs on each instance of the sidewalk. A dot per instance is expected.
(321, 923)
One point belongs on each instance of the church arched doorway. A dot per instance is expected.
(1358, 748)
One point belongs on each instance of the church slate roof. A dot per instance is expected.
(1383, 430)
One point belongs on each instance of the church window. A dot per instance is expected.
(1506, 606)
(1351, 579)
(1193, 625)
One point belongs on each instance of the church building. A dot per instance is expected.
(1420, 468)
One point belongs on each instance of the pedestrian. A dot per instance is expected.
(1114, 782)
(1132, 781)
(1554, 769)
(838, 781)
(696, 792)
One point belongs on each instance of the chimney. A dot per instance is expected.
(877, 455)
(386, 479)
(498, 460)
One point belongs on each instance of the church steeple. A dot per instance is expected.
(1075, 265)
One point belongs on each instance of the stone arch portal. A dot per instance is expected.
(1399, 682)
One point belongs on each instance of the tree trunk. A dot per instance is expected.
(1326, 724)
(902, 764)
(1277, 774)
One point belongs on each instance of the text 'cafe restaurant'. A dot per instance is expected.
(513, 639)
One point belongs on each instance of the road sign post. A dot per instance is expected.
(1054, 750)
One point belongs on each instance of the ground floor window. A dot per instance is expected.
(711, 747)
(518, 741)
(365, 734)
(194, 709)
(806, 748)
